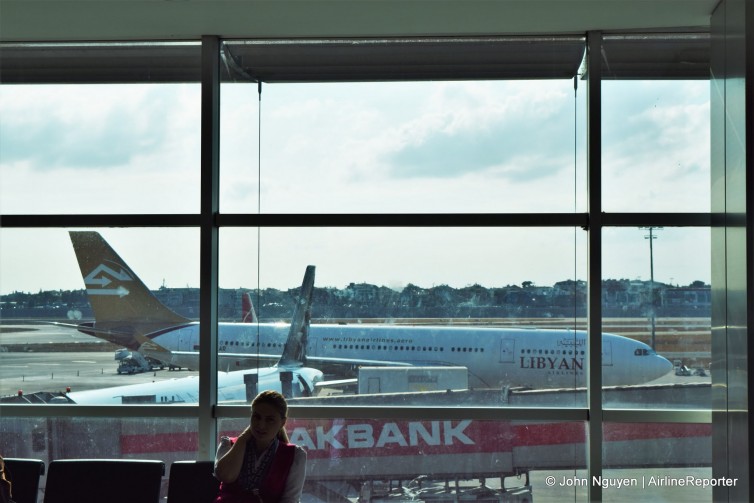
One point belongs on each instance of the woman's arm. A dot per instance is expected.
(295, 482)
(228, 461)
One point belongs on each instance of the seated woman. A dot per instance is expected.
(261, 465)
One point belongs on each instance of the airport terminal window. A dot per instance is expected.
(100, 149)
(639, 462)
(402, 147)
(86, 437)
(457, 293)
(658, 130)
(660, 297)
(477, 457)
(119, 286)
(510, 148)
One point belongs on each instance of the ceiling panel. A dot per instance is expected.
(627, 56)
(404, 59)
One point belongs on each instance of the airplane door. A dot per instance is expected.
(607, 354)
(184, 341)
(507, 350)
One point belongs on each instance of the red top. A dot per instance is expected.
(272, 486)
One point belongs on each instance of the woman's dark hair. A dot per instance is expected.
(277, 400)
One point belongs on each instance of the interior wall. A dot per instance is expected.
(732, 250)
(82, 20)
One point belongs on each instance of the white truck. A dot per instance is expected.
(411, 379)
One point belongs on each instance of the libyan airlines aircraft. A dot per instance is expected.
(128, 314)
(289, 375)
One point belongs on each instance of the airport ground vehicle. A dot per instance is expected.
(133, 362)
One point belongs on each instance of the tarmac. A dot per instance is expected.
(50, 357)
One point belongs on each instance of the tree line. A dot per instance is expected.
(621, 297)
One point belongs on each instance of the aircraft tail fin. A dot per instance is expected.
(248, 315)
(294, 352)
(123, 306)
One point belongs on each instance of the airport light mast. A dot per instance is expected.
(652, 313)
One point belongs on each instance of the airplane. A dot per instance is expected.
(289, 375)
(128, 314)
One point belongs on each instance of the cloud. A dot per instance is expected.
(380, 147)
(108, 148)
(513, 130)
(87, 127)
(377, 147)
(658, 131)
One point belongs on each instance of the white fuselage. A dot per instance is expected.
(231, 387)
(495, 357)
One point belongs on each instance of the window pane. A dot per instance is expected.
(656, 146)
(426, 257)
(381, 458)
(660, 297)
(100, 341)
(239, 147)
(430, 298)
(417, 147)
(51, 438)
(657, 462)
(119, 148)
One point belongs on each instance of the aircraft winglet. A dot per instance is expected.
(294, 352)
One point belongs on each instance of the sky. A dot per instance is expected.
(432, 147)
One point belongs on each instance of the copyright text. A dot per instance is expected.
(643, 482)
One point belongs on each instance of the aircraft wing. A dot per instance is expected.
(242, 360)
(75, 326)
(88, 328)
(355, 362)
(239, 356)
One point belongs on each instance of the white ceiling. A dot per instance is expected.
(80, 20)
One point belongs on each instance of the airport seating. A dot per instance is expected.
(192, 482)
(104, 480)
(24, 474)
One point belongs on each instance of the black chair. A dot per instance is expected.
(192, 482)
(24, 474)
(104, 480)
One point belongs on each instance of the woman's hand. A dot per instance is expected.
(229, 465)
(245, 435)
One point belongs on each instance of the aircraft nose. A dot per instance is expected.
(663, 365)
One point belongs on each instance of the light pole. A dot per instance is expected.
(652, 313)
